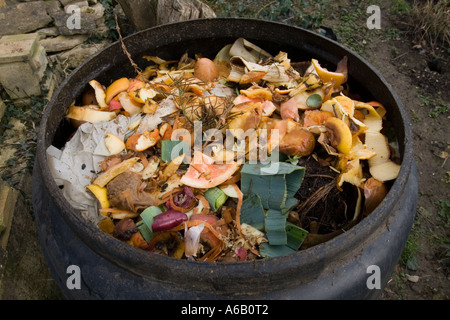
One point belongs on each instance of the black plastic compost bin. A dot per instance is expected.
(341, 268)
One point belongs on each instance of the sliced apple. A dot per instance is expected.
(115, 88)
(114, 105)
(381, 167)
(128, 104)
(100, 94)
(92, 114)
(339, 134)
(114, 144)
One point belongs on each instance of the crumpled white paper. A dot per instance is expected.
(74, 166)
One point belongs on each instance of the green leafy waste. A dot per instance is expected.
(170, 149)
(216, 198)
(269, 195)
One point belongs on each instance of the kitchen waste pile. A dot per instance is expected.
(245, 156)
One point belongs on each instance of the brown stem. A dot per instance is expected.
(124, 48)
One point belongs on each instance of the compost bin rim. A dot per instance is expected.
(97, 239)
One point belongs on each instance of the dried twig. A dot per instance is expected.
(124, 48)
(318, 195)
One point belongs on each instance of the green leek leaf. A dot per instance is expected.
(149, 214)
(252, 212)
(170, 149)
(290, 203)
(145, 231)
(277, 192)
(216, 198)
(276, 185)
(275, 226)
(270, 251)
(295, 236)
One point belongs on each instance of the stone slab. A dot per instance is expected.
(48, 32)
(87, 23)
(15, 19)
(19, 47)
(76, 56)
(19, 80)
(62, 43)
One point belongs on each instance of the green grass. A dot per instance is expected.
(412, 247)
(436, 106)
(444, 212)
(306, 14)
(400, 7)
(351, 27)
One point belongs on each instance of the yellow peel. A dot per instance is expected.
(88, 114)
(115, 88)
(328, 76)
(105, 177)
(101, 194)
(340, 135)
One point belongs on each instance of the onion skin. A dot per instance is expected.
(184, 199)
(168, 220)
(206, 70)
(374, 193)
(298, 141)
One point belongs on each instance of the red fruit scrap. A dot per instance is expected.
(115, 105)
(168, 220)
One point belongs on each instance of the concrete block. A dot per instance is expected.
(39, 61)
(23, 62)
(19, 80)
(8, 199)
(19, 47)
